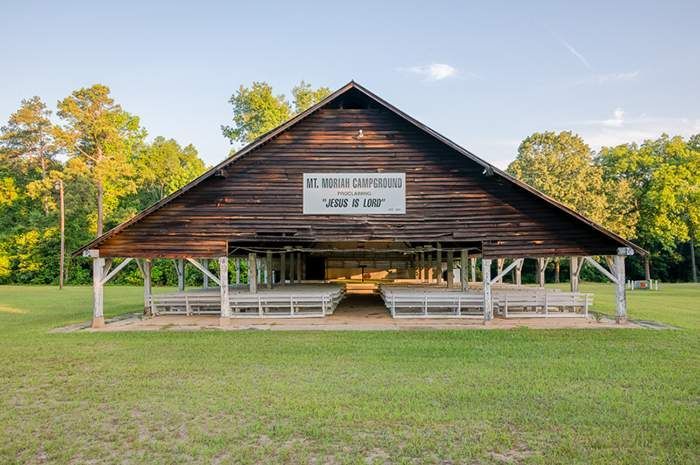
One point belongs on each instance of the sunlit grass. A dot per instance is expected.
(519, 396)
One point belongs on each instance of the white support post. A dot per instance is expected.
(98, 319)
(225, 317)
(438, 265)
(450, 269)
(283, 268)
(205, 277)
(488, 301)
(463, 261)
(292, 267)
(574, 272)
(541, 266)
(268, 268)
(146, 270)
(258, 268)
(472, 265)
(429, 272)
(519, 272)
(180, 270)
(238, 270)
(299, 275)
(499, 268)
(252, 273)
(620, 296)
(421, 269)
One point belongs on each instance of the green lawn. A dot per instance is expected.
(443, 397)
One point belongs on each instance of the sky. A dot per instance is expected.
(484, 74)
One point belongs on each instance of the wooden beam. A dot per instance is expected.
(519, 272)
(499, 268)
(503, 272)
(292, 267)
(541, 267)
(205, 271)
(238, 270)
(463, 269)
(600, 268)
(268, 267)
(450, 268)
(438, 264)
(422, 277)
(299, 273)
(431, 269)
(283, 268)
(574, 271)
(205, 276)
(116, 270)
(180, 270)
(252, 273)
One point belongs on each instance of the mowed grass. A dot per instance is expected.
(443, 397)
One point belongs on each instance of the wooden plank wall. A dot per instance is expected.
(448, 198)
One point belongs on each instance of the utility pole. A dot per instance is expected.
(694, 274)
(63, 233)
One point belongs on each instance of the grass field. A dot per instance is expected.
(443, 397)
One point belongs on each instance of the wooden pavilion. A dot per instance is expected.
(353, 184)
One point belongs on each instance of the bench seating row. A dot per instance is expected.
(315, 301)
(426, 302)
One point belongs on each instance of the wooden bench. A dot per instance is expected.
(425, 302)
(544, 303)
(288, 301)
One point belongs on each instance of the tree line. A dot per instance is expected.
(109, 171)
(648, 193)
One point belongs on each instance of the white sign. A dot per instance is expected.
(354, 193)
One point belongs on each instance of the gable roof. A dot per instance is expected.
(352, 85)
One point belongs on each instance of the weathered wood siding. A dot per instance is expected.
(448, 198)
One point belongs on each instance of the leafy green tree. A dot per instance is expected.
(28, 136)
(257, 110)
(101, 137)
(164, 166)
(665, 176)
(305, 95)
(561, 165)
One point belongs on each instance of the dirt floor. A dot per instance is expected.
(355, 312)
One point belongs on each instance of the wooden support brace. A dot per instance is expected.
(505, 271)
(116, 270)
(205, 271)
(600, 268)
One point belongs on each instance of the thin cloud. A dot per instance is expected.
(609, 78)
(434, 71)
(621, 128)
(575, 53)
